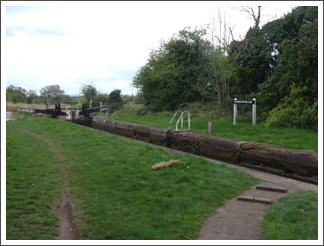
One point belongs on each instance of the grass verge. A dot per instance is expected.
(119, 196)
(33, 187)
(293, 138)
(293, 217)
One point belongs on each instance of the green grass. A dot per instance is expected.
(300, 139)
(293, 217)
(116, 193)
(33, 187)
(133, 105)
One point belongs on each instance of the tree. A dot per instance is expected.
(115, 101)
(256, 55)
(294, 82)
(30, 95)
(52, 91)
(16, 94)
(215, 80)
(169, 79)
(89, 91)
(100, 97)
(254, 13)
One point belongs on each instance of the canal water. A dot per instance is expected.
(12, 116)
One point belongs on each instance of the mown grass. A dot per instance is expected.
(293, 217)
(294, 138)
(33, 187)
(133, 105)
(116, 193)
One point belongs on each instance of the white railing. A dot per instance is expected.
(181, 118)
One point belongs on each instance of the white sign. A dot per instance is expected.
(253, 102)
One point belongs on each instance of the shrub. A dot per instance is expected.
(294, 110)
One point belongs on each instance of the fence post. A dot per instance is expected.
(254, 112)
(211, 127)
(73, 116)
(235, 112)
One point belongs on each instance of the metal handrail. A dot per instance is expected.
(181, 118)
(66, 106)
(173, 118)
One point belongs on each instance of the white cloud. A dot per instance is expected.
(92, 41)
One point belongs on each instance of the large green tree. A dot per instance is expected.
(169, 77)
(16, 94)
(114, 100)
(52, 91)
(294, 82)
(275, 63)
(89, 91)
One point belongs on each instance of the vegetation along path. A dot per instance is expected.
(67, 228)
(241, 219)
(116, 193)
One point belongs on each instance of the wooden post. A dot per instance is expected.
(235, 112)
(73, 116)
(100, 104)
(211, 127)
(107, 113)
(254, 112)
(90, 103)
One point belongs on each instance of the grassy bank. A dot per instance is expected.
(116, 193)
(293, 217)
(33, 187)
(306, 139)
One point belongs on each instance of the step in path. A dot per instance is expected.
(240, 218)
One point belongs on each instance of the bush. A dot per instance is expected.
(138, 100)
(202, 110)
(294, 110)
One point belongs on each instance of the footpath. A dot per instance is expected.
(240, 219)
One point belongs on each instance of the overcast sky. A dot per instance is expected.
(100, 42)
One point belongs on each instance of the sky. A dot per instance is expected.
(73, 43)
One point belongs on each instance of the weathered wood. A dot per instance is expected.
(301, 162)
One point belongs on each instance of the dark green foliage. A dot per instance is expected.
(296, 71)
(100, 97)
(114, 100)
(89, 91)
(17, 94)
(264, 65)
(295, 109)
(284, 53)
(253, 63)
(169, 77)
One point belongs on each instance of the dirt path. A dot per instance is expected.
(67, 228)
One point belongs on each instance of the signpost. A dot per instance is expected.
(253, 102)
